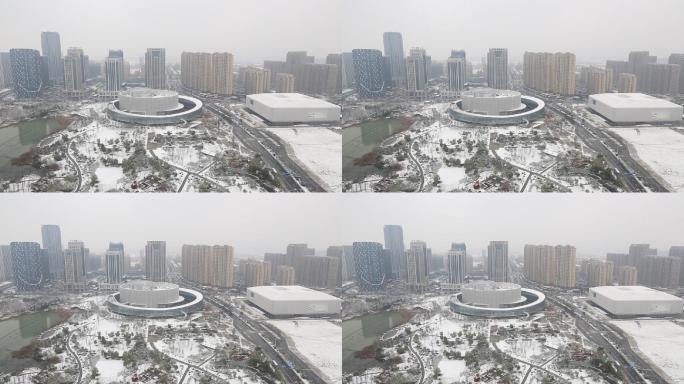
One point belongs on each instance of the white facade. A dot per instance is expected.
(293, 300)
(491, 101)
(282, 108)
(490, 294)
(148, 101)
(148, 294)
(635, 300)
(625, 108)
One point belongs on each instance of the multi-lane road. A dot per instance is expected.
(290, 366)
(629, 364)
(633, 176)
(287, 364)
(292, 177)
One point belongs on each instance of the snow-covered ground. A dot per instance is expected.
(661, 341)
(452, 370)
(319, 149)
(109, 177)
(661, 148)
(319, 342)
(110, 370)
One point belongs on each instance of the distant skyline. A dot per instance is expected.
(252, 224)
(257, 223)
(595, 224)
(266, 29)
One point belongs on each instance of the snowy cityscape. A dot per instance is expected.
(414, 314)
(341, 192)
(181, 310)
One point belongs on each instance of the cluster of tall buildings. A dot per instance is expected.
(208, 265)
(31, 265)
(649, 76)
(375, 265)
(306, 268)
(375, 74)
(208, 72)
(551, 265)
(306, 76)
(550, 72)
(256, 80)
(29, 71)
(255, 273)
(648, 268)
(597, 273)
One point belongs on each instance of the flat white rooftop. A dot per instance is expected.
(633, 100)
(633, 293)
(291, 293)
(290, 100)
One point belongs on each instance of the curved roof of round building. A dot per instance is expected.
(488, 285)
(490, 92)
(148, 92)
(146, 285)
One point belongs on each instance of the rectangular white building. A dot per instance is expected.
(290, 108)
(635, 300)
(630, 108)
(293, 300)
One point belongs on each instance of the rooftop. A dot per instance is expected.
(488, 285)
(633, 100)
(148, 92)
(146, 285)
(490, 92)
(290, 100)
(633, 292)
(290, 293)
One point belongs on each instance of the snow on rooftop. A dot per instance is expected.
(290, 293)
(146, 285)
(290, 100)
(633, 100)
(633, 292)
(148, 92)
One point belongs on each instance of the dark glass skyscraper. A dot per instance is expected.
(52, 50)
(52, 244)
(394, 244)
(27, 265)
(26, 72)
(394, 50)
(368, 72)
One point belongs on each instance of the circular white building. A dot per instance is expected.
(496, 299)
(149, 294)
(147, 106)
(154, 299)
(487, 101)
(146, 101)
(491, 294)
(488, 106)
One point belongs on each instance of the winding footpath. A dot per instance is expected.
(420, 361)
(75, 356)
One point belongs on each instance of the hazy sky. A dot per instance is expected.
(259, 223)
(595, 224)
(252, 224)
(254, 30)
